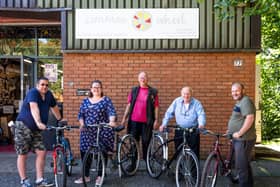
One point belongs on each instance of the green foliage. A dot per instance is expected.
(251, 7)
(270, 103)
(269, 58)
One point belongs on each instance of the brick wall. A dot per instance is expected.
(209, 74)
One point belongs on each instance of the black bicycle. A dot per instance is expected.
(187, 167)
(126, 155)
(62, 154)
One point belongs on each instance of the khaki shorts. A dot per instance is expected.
(27, 140)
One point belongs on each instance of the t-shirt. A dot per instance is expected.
(44, 106)
(241, 109)
(139, 113)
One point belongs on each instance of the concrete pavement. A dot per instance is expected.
(266, 174)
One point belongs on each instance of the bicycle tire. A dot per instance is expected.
(210, 171)
(155, 156)
(128, 155)
(187, 170)
(60, 169)
(97, 159)
(68, 157)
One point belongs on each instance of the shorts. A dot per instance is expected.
(27, 140)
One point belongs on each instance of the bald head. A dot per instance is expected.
(237, 91)
(143, 79)
(186, 93)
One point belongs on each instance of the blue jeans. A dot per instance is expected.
(243, 150)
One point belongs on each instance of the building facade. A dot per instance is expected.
(224, 52)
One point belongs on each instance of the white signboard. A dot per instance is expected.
(51, 72)
(179, 23)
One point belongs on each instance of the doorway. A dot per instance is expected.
(16, 78)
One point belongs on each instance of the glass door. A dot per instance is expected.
(27, 75)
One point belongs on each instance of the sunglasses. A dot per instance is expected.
(44, 85)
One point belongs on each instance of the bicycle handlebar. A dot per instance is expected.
(178, 127)
(106, 125)
(209, 132)
(65, 127)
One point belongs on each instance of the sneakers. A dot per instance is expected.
(26, 183)
(44, 183)
(80, 180)
(98, 181)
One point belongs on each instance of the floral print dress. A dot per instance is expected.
(95, 113)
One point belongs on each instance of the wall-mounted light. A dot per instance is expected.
(28, 61)
(237, 62)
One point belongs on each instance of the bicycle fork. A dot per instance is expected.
(54, 155)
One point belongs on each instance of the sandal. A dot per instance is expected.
(80, 180)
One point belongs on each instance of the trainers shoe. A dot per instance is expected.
(44, 183)
(80, 180)
(26, 183)
(98, 181)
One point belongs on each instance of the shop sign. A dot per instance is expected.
(51, 72)
(8, 109)
(176, 23)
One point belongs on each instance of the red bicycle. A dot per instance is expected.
(62, 154)
(215, 163)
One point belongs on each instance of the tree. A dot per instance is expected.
(269, 58)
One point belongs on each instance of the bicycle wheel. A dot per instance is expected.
(60, 169)
(68, 157)
(187, 169)
(155, 156)
(128, 155)
(210, 171)
(94, 163)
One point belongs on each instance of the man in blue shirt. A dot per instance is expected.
(31, 120)
(188, 113)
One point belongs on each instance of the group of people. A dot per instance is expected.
(141, 116)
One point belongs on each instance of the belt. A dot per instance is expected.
(188, 129)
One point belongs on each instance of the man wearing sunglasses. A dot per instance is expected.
(31, 120)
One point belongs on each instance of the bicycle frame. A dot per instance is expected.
(182, 146)
(225, 163)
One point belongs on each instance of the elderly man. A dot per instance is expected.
(142, 111)
(188, 113)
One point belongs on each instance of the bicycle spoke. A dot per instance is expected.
(187, 170)
(128, 155)
(210, 171)
(155, 157)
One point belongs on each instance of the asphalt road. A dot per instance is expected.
(266, 174)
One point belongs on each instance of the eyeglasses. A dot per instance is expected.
(44, 85)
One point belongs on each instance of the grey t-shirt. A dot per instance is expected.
(241, 109)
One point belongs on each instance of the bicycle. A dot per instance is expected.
(126, 154)
(187, 166)
(215, 162)
(61, 154)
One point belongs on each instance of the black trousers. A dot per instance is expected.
(89, 161)
(193, 140)
(137, 129)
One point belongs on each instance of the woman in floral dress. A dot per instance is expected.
(96, 109)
